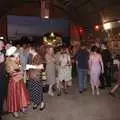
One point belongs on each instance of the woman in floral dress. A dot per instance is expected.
(65, 68)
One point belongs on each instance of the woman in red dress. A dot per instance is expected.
(17, 97)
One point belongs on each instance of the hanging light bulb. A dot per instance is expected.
(45, 8)
(46, 17)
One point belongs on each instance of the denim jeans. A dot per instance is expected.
(82, 78)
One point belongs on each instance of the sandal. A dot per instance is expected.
(35, 107)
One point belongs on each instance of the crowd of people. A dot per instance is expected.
(21, 68)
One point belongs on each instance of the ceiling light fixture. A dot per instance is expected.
(1, 37)
(107, 26)
(46, 17)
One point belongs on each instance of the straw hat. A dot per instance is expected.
(11, 51)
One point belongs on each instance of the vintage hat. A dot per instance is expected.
(10, 51)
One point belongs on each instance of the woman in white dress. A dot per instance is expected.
(64, 73)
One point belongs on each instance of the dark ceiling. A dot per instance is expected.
(85, 12)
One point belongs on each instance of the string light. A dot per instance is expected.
(97, 27)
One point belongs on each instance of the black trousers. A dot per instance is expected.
(106, 79)
(1, 96)
(3, 90)
(102, 81)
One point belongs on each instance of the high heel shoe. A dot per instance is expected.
(59, 92)
(35, 107)
(65, 91)
(15, 114)
(50, 93)
(42, 106)
(23, 110)
(111, 94)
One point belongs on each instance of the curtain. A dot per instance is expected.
(3, 26)
(74, 32)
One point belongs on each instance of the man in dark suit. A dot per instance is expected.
(107, 60)
(2, 77)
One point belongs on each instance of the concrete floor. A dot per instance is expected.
(75, 106)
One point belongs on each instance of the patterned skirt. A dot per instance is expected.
(17, 97)
(35, 91)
